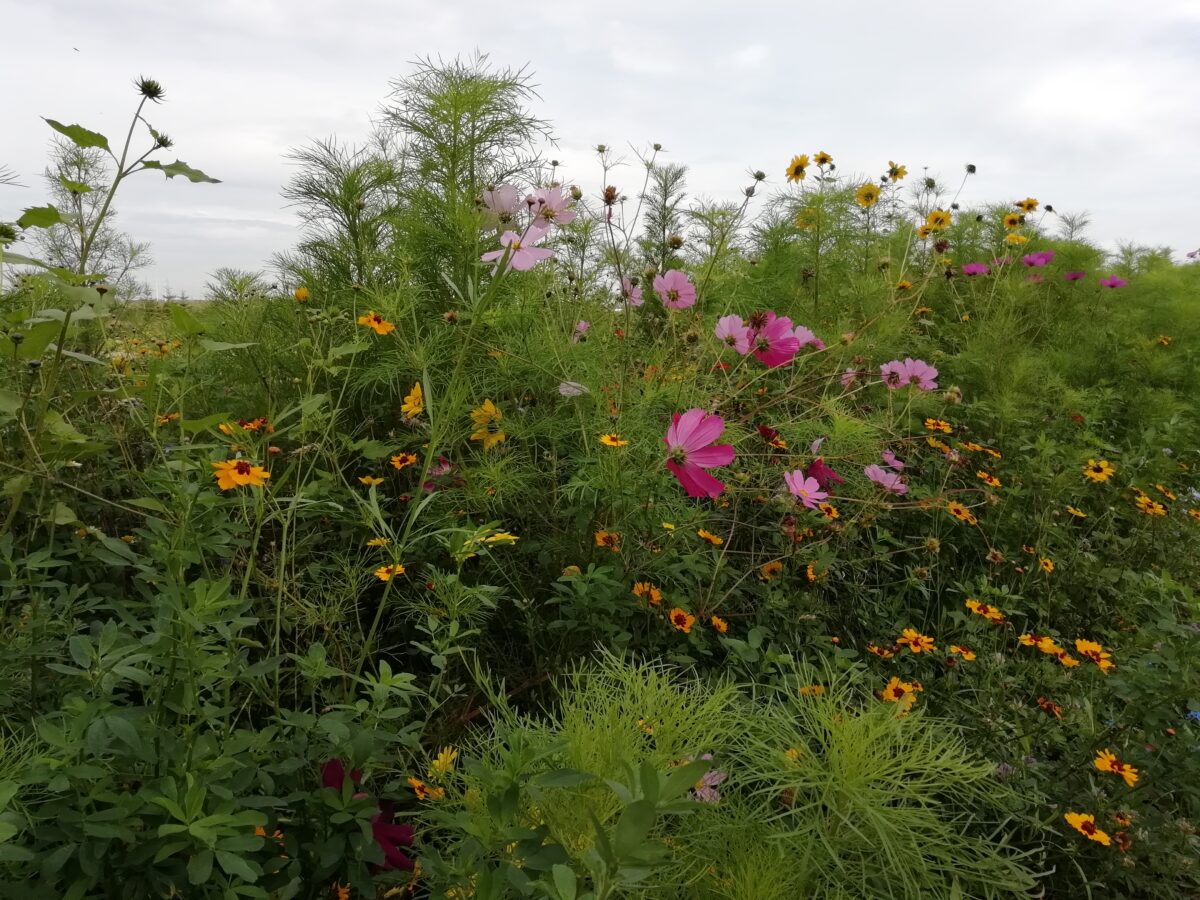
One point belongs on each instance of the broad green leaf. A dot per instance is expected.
(218, 346)
(17, 259)
(632, 827)
(61, 514)
(75, 187)
(186, 322)
(80, 135)
(179, 168)
(195, 425)
(37, 339)
(10, 402)
(40, 217)
(199, 867)
(565, 882)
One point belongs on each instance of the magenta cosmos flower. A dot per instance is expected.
(897, 374)
(821, 472)
(891, 459)
(807, 338)
(889, 481)
(523, 255)
(689, 441)
(806, 490)
(1112, 281)
(675, 290)
(733, 332)
(975, 268)
(550, 207)
(631, 292)
(1039, 259)
(1074, 276)
(773, 342)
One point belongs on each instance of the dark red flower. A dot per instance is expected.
(824, 475)
(391, 837)
(333, 775)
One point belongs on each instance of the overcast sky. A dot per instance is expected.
(1086, 104)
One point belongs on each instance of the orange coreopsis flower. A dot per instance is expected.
(965, 652)
(235, 473)
(1106, 761)
(1085, 824)
(1049, 707)
(990, 613)
(369, 480)
(682, 620)
(376, 323)
(1096, 653)
(387, 573)
(719, 624)
(644, 590)
(770, 570)
(715, 540)
(403, 460)
(424, 791)
(915, 641)
(609, 540)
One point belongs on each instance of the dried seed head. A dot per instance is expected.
(150, 89)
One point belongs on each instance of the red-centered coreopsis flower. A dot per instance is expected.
(522, 249)
(806, 490)
(675, 289)
(689, 440)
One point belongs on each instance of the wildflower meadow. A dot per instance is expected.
(578, 538)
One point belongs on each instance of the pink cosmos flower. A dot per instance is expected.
(675, 290)
(890, 459)
(549, 206)
(774, 344)
(806, 490)
(631, 292)
(503, 200)
(1112, 281)
(1038, 259)
(523, 254)
(1034, 279)
(825, 477)
(897, 374)
(1001, 260)
(1074, 276)
(815, 446)
(852, 375)
(689, 440)
(889, 481)
(581, 329)
(807, 338)
(1192, 254)
(705, 790)
(732, 332)
(975, 268)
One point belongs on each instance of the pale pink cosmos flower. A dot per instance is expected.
(897, 374)
(581, 329)
(689, 440)
(890, 459)
(523, 254)
(705, 790)
(1192, 254)
(1001, 260)
(889, 481)
(807, 338)
(1034, 278)
(503, 200)
(806, 490)
(548, 205)
(631, 292)
(975, 268)
(1112, 281)
(815, 446)
(773, 342)
(675, 290)
(732, 332)
(850, 376)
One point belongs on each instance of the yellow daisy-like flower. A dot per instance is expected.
(1046, 564)
(300, 294)
(414, 402)
(376, 323)
(915, 641)
(902, 693)
(1165, 340)
(487, 417)
(235, 473)
(987, 478)
(896, 171)
(719, 624)
(387, 573)
(609, 540)
(1015, 239)
(924, 232)
(1165, 491)
(1150, 506)
(403, 460)
(1099, 471)
(668, 526)
(904, 285)
(1194, 512)
(881, 652)
(1106, 761)
(939, 425)
(795, 169)
(612, 440)
(829, 511)
(1077, 513)
(647, 591)
(501, 537)
(867, 195)
(1028, 205)
(822, 158)
(1096, 653)
(443, 763)
(961, 513)
(938, 220)
(993, 615)
(369, 480)
(770, 570)
(424, 791)
(811, 690)
(714, 539)
(965, 652)
(682, 620)
(1012, 220)
(379, 542)
(1085, 824)
(792, 755)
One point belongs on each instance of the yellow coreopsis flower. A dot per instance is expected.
(376, 323)
(795, 170)
(443, 763)
(414, 402)
(1106, 761)
(387, 573)
(487, 417)
(1085, 824)
(234, 473)
(612, 440)
(938, 220)
(896, 171)
(867, 195)
(1099, 471)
